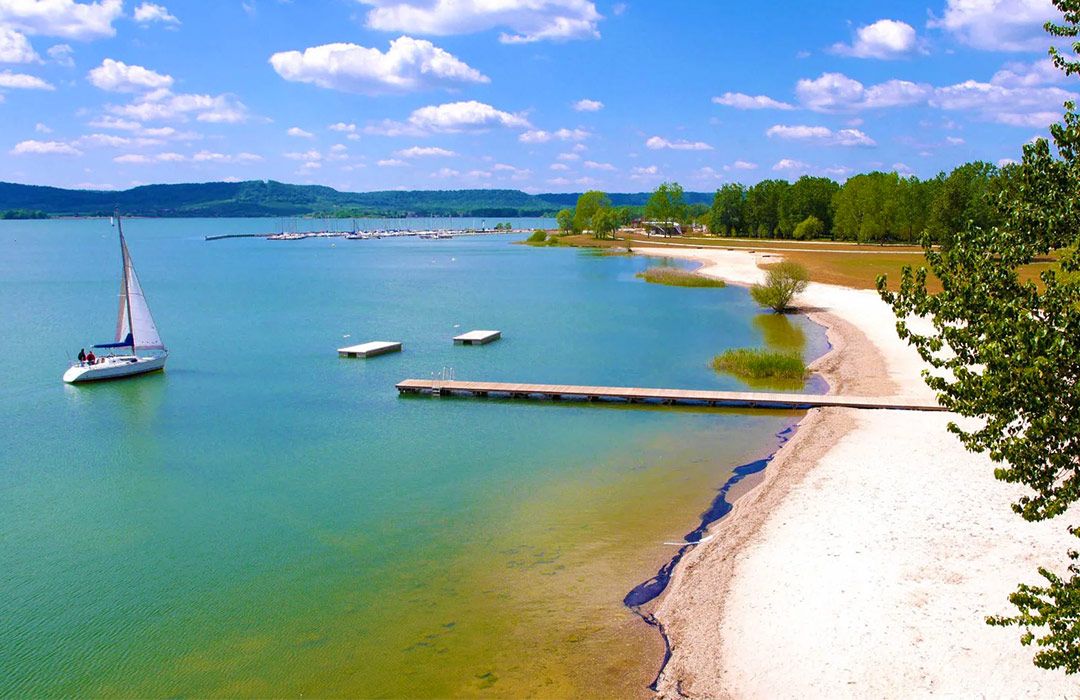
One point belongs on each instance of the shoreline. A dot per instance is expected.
(861, 613)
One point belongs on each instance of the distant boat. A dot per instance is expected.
(135, 332)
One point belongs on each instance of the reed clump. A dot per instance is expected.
(752, 363)
(677, 277)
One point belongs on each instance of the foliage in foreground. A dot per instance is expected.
(677, 277)
(782, 282)
(750, 363)
(1007, 353)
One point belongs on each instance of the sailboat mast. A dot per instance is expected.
(127, 295)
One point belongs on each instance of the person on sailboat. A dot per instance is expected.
(82, 354)
(90, 358)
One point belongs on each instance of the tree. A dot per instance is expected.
(809, 228)
(809, 196)
(605, 222)
(962, 198)
(763, 207)
(726, 212)
(565, 220)
(782, 282)
(587, 204)
(666, 204)
(1009, 350)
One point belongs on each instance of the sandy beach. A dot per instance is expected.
(866, 561)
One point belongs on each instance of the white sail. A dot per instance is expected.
(134, 317)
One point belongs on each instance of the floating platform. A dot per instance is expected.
(477, 337)
(377, 347)
(668, 397)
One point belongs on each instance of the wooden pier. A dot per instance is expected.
(377, 347)
(668, 397)
(477, 337)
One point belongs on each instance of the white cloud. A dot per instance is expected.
(998, 25)
(391, 163)
(133, 159)
(62, 55)
(593, 165)
(790, 165)
(568, 156)
(213, 157)
(149, 12)
(707, 173)
(348, 129)
(407, 66)
(559, 166)
(886, 38)
(424, 151)
(588, 105)
(820, 134)
(455, 117)
(63, 18)
(559, 181)
(954, 141)
(479, 174)
(515, 172)
(1022, 106)
(445, 172)
(744, 165)
(835, 92)
(308, 155)
(657, 142)
(541, 136)
(299, 133)
(739, 100)
(645, 172)
(42, 128)
(117, 76)
(165, 105)
(338, 151)
(113, 141)
(902, 169)
(528, 20)
(109, 122)
(1042, 72)
(33, 147)
(22, 81)
(15, 47)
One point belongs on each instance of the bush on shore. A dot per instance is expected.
(750, 363)
(677, 277)
(782, 282)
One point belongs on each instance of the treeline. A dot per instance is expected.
(11, 214)
(870, 208)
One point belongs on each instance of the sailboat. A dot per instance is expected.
(135, 333)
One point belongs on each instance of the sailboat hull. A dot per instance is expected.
(113, 367)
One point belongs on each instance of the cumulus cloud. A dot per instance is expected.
(299, 133)
(588, 105)
(835, 92)
(213, 157)
(820, 134)
(163, 105)
(526, 20)
(541, 136)
(62, 55)
(1018, 74)
(455, 117)
(559, 166)
(644, 172)
(349, 130)
(998, 25)
(62, 18)
(117, 76)
(593, 165)
(657, 143)
(34, 147)
(740, 100)
(391, 163)
(149, 12)
(407, 66)
(886, 38)
(424, 152)
(22, 81)
(1019, 106)
(15, 47)
(744, 165)
(790, 165)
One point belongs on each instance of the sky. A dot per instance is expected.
(537, 95)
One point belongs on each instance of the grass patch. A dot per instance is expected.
(677, 277)
(749, 363)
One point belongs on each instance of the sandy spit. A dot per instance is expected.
(865, 562)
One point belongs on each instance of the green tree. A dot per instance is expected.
(866, 208)
(1007, 354)
(605, 222)
(667, 204)
(726, 212)
(809, 228)
(782, 282)
(565, 220)
(963, 198)
(809, 196)
(762, 209)
(587, 204)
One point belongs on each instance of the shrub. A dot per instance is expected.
(748, 363)
(782, 282)
(538, 236)
(677, 277)
(810, 227)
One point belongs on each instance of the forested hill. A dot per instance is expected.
(269, 198)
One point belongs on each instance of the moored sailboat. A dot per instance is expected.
(135, 332)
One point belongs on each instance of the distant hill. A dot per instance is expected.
(630, 199)
(270, 198)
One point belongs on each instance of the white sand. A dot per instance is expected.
(866, 562)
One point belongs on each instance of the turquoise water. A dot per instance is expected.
(265, 518)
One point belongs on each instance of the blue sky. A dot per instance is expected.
(539, 95)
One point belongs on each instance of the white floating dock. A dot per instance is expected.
(378, 347)
(477, 337)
